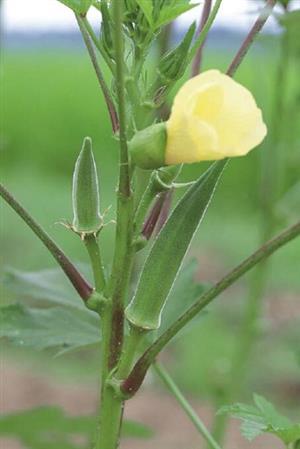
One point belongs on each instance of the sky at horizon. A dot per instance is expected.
(40, 15)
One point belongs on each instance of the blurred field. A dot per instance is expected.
(51, 101)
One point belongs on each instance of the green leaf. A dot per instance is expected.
(172, 10)
(168, 250)
(48, 286)
(185, 292)
(51, 428)
(78, 6)
(271, 415)
(147, 8)
(54, 327)
(263, 418)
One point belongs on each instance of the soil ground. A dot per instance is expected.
(21, 388)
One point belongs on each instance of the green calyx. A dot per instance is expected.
(85, 194)
(148, 147)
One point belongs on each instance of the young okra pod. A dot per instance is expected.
(167, 253)
(85, 194)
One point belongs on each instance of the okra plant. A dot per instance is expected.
(213, 118)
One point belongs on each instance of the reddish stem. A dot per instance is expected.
(258, 25)
(198, 57)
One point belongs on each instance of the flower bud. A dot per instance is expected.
(174, 63)
(147, 147)
(85, 193)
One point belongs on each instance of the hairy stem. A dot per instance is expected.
(80, 284)
(122, 262)
(108, 100)
(185, 405)
(111, 409)
(198, 57)
(260, 22)
(136, 377)
(111, 413)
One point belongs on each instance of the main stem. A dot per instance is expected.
(111, 408)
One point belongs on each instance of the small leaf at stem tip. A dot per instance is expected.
(167, 253)
(85, 195)
(78, 6)
(174, 63)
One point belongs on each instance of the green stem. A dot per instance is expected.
(186, 406)
(78, 281)
(136, 377)
(111, 413)
(98, 45)
(108, 99)
(93, 249)
(121, 272)
(111, 408)
(124, 180)
(131, 346)
(122, 262)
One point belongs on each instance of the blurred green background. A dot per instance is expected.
(51, 101)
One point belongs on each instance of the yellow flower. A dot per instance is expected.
(212, 117)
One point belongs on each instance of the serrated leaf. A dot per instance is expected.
(263, 418)
(48, 286)
(271, 415)
(186, 290)
(49, 328)
(173, 10)
(78, 6)
(251, 430)
(166, 255)
(51, 428)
